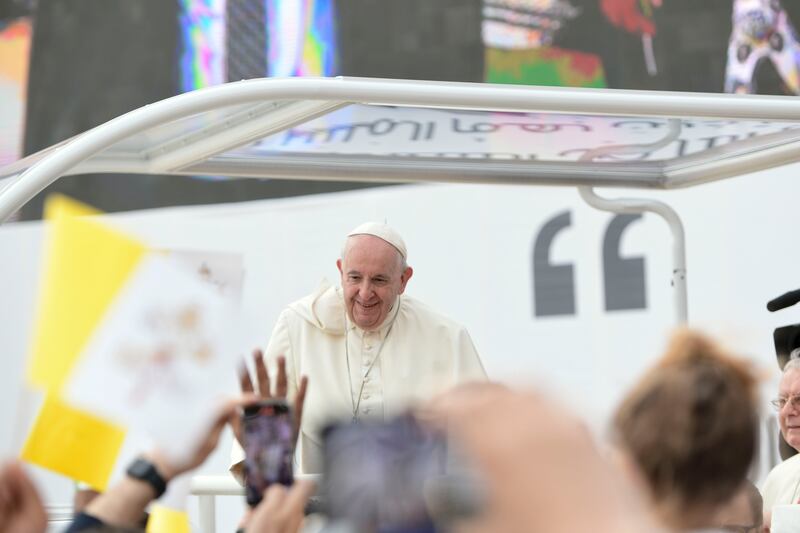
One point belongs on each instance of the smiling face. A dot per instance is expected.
(789, 415)
(372, 278)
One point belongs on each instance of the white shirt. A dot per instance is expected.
(782, 485)
(415, 354)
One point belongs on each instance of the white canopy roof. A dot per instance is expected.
(357, 129)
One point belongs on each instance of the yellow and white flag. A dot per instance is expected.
(160, 359)
(86, 264)
(127, 342)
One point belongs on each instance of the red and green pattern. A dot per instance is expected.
(544, 66)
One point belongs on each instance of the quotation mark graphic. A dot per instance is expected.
(554, 284)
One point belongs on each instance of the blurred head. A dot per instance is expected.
(744, 512)
(789, 403)
(689, 426)
(374, 274)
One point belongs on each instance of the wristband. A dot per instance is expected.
(144, 470)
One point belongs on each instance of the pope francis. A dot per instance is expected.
(368, 350)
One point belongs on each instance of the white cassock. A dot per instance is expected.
(782, 485)
(414, 355)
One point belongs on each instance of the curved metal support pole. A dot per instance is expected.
(636, 206)
(632, 205)
(26, 185)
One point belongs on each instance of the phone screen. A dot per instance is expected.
(376, 474)
(269, 447)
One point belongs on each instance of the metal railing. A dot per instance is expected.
(207, 488)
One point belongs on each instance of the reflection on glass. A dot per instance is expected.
(412, 132)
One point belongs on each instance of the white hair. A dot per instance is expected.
(792, 364)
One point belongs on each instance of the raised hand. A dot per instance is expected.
(265, 390)
(281, 510)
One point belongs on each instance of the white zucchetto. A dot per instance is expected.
(382, 231)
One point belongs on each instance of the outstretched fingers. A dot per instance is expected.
(245, 383)
(281, 385)
(262, 375)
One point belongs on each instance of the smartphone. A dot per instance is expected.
(269, 447)
(382, 477)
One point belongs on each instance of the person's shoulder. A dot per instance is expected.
(323, 310)
(783, 468)
(413, 307)
(779, 482)
(791, 463)
(324, 291)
